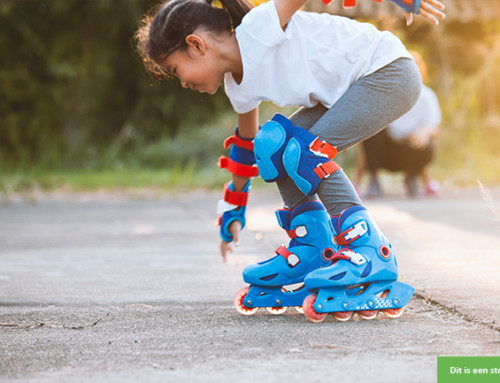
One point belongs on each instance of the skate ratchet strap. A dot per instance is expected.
(298, 232)
(238, 169)
(349, 255)
(233, 197)
(290, 257)
(351, 234)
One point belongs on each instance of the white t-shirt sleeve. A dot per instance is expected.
(263, 25)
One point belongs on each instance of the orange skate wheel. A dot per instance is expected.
(309, 310)
(368, 314)
(393, 313)
(343, 316)
(238, 302)
(276, 310)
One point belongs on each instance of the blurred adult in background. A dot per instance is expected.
(406, 145)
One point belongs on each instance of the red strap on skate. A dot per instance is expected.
(341, 239)
(238, 141)
(298, 232)
(323, 149)
(338, 256)
(237, 168)
(233, 197)
(325, 169)
(290, 257)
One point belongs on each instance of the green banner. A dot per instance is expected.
(468, 369)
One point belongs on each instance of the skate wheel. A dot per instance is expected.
(238, 302)
(276, 310)
(299, 309)
(393, 313)
(342, 316)
(310, 312)
(368, 314)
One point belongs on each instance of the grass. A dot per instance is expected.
(464, 156)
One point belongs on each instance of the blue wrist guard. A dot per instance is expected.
(241, 160)
(411, 6)
(232, 207)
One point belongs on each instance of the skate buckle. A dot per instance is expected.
(356, 258)
(292, 259)
(359, 229)
(298, 232)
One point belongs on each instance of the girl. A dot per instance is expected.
(351, 79)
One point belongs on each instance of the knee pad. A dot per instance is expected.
(282, 149)
(308, 160)
(269, 145)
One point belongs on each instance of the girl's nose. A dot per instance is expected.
(184, 84)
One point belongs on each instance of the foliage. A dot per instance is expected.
(76, 97)
(71, 85)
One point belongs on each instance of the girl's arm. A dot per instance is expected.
(286, 9)
(248, 126)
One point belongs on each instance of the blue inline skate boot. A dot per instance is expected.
(311, 247)
(362, 277)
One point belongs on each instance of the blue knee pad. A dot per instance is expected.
(307, 160)
(282, 149)
(269, 145)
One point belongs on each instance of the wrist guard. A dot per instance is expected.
(411, 6)
(232, 208)
(241, 160)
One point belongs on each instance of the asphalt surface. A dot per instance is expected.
(106, 288)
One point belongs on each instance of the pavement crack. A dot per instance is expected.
(454, 311)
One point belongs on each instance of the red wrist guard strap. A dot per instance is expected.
(238, 141)
(233, 197)
(237, 168)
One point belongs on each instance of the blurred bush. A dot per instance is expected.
(71, 85)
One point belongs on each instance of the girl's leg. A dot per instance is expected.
(368, 106)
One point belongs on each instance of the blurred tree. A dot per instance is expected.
(71, 84)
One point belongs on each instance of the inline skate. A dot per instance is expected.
(311, 247)
(362, 276)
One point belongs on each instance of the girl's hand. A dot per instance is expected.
(429, 9)
(228, 247)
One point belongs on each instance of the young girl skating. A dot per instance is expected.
(351, 80)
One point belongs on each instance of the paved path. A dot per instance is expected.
(107, 289)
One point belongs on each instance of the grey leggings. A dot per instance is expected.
(367, 107)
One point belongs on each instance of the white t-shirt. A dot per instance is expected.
(426, 112)
(315, 60)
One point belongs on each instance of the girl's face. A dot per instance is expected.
(196, 67)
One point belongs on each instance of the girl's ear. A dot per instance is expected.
(196, 42)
